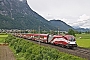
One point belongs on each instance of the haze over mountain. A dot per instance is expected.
(16, 14)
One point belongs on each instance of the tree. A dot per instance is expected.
(71, 32)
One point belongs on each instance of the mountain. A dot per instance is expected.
(75, 27)
(82, 29)
(61, 25)
(79, 29)
(16, 14)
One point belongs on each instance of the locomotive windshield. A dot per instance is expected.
(71, 39)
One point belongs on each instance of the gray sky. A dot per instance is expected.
(73, 12)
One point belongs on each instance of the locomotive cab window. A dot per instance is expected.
(71, 39)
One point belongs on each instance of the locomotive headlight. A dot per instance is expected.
(75, 41)
(68, 42)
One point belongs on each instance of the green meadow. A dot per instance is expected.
(83, 40)
(2, 37)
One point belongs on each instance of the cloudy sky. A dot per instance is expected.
(73, 12)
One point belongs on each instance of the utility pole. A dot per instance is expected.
(39, 35)
(58, 31)
(40, 42)
(39, 29)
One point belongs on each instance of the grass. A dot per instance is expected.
(84, 43)
(2, 37)
(83, 36)
(83, 40)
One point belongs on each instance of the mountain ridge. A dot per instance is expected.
(61, 25)
(16, 14)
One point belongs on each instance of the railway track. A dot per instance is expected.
(80, 52)
(83, 52)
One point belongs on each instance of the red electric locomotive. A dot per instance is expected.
(64, 41)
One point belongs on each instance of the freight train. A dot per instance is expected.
(68, 41)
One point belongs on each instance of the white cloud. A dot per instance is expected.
(86, 24)
(83, 17)
(83, 21)
(20, 0)
(72, 12)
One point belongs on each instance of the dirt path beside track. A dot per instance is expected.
(6, 53)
